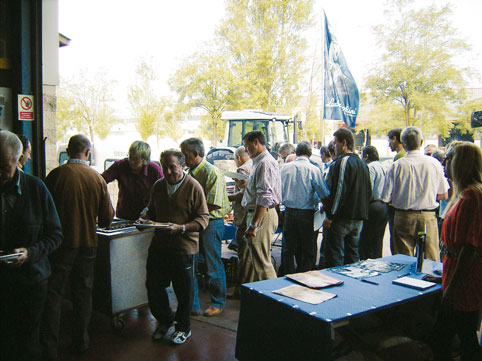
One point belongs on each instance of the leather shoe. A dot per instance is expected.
(195, 313)
(212, 311)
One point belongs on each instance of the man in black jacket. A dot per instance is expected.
(347, 205)
(30, 226)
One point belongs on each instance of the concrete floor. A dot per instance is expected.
(214, 338)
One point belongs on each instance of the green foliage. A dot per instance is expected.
(204, 82)
(153, 114)
(84, 104)
(256, 61)
(313, 128)
(464, 113)
(264, 45)
(416, 78)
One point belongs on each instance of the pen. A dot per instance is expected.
(371, 282)
(405, 274)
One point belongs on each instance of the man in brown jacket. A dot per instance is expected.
(80, 195)
(178, 201)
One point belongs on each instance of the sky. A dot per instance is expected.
(116, 34)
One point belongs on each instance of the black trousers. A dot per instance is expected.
(371, 238)
(21, 308)
(298, 241)
(74, 266)
(162, 269)
(462, 323)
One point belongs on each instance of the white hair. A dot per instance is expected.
(411, 138)
(9, 140)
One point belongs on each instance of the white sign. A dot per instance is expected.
(25, 107)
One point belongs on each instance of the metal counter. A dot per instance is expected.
(120, 272)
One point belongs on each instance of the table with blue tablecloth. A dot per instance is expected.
(274, 327)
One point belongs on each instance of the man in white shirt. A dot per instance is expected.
(413, 185)
(302, 187)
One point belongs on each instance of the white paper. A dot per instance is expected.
(318, 220)
(413, 283)
(305, 294)
(235, 175)
(314, 279)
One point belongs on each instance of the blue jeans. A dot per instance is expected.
(342, 242)
(210, 246)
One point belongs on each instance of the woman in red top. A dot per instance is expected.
(462, 271)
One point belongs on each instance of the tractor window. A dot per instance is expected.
(238, 128)
(235, 133)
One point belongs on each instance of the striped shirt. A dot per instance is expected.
(214, 186)
(263, 187)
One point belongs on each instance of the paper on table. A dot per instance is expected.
(413, 283)
(235, 175)
(152, 225)
(314, 279)
(354, 271)
(305, 294)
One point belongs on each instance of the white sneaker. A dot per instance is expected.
(179, 337)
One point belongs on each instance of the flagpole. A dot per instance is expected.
(323, 45)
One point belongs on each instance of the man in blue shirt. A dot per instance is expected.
(302, 188)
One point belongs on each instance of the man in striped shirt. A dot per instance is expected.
(347, 206)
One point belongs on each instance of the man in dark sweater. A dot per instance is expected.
(347, 205)
(81, 197)
(29, 225)
(178, 201)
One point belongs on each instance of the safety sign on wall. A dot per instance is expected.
(25, 107)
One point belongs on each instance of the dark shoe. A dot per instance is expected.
(161, 331)
(212, 311)
(233, 246)
(195, 313)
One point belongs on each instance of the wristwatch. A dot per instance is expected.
(183, 229)
(251, 225)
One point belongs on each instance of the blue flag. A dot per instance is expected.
(341, 97)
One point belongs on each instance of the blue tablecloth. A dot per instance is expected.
(353, 296)
(274, 327)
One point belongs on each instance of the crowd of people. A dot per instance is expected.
(52, 227)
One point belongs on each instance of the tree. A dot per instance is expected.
(313, 126)
(152, 113)
(84, 104)
(464, 113)
(417, 78)
(265, 47)
(203, 82)
(256, 61)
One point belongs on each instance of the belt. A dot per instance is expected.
(416, 210)
(250, 210)
(444, 251)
